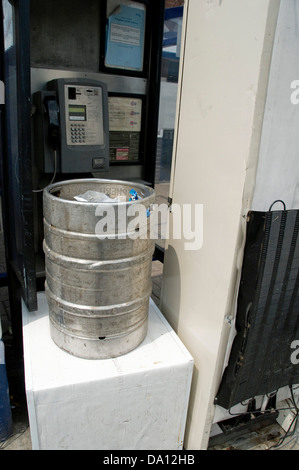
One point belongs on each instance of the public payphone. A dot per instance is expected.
(71, 126)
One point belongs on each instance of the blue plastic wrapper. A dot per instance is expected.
(6, 424)
(135, 197)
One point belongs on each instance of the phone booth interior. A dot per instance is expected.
(82, 87)
(95, 89)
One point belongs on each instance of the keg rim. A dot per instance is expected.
(48, 191)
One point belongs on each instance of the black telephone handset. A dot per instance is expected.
(52, 110)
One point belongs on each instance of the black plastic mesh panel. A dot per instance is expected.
(267, 320)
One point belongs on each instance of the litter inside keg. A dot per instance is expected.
(96, 196)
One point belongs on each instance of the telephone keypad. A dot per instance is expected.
(77, 133)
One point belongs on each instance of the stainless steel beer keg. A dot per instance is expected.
(98, 265)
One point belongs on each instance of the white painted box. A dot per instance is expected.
(137, 401)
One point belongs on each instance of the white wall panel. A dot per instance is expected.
(278, 168)
(225, 59)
